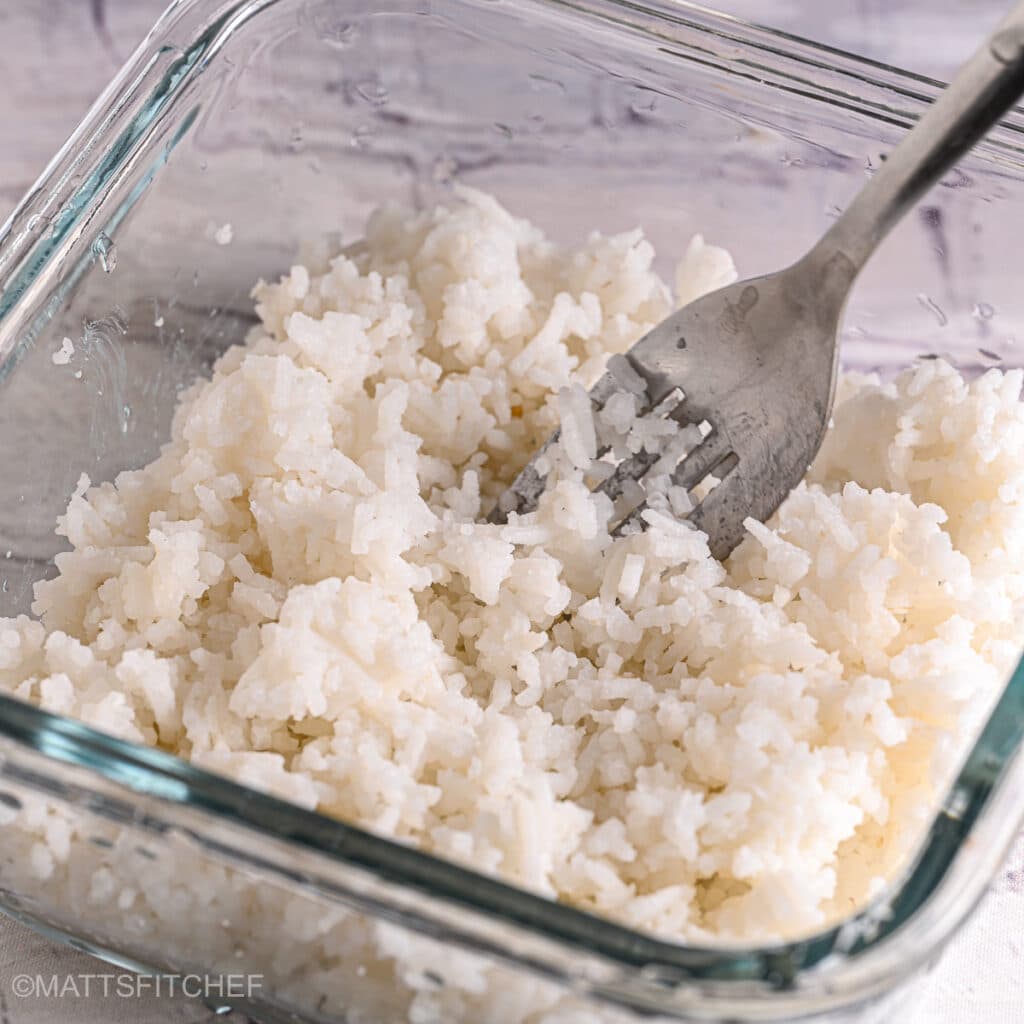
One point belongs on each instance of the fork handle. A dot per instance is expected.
(982, 91)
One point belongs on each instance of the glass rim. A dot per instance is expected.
(918, 910)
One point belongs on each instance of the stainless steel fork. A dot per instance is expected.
(757, 360)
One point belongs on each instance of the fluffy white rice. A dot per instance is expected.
(300, 593)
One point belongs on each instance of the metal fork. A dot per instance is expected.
(757, 360)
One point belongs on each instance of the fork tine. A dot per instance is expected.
(721, 515)
(632, 468)
(525, 491)
(672, 406)
(701, 461)
(697, 464)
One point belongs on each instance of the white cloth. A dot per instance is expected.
(980, 979)
(26, 955)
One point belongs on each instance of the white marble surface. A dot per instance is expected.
(55, 56)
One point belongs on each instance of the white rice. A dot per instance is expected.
(63, 355)
(301, 593)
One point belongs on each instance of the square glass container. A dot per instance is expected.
(268, 120)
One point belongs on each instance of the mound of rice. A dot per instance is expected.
(300, 593)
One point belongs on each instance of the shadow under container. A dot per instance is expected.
(262, 122)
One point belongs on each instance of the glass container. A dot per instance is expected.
(264, 121)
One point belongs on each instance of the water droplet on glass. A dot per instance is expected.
(791, 161)
(833, 211)
(341, 35)
(989, 354)
(983, 311)
(8, 553)
(105, 249)
(643, 102)
(3, 586)
(221, 1011)
(503, 129)
(957, 179)
(372, 92)
(543, 84)
(361, 136)
(927, 302)
(126, 415)
(34, 221)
